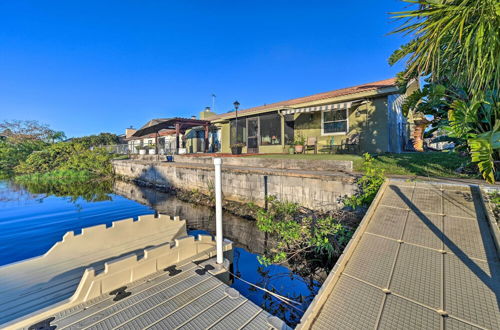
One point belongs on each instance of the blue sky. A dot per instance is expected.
(86, 67)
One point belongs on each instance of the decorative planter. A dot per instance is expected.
(142, 151)
(152, 152)
(299, 149)
(170, 158)
(291, 150)
(236, 150)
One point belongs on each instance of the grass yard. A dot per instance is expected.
(428, 164)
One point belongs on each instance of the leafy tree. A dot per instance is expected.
(57, 136)
(101, 139)
(68, 156)
(11, 154)
(22, 130)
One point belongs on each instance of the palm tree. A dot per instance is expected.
(454, 40)
(57, 136)
(456, 43)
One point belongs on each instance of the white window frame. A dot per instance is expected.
(334, 133)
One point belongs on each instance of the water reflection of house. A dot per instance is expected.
(367, 116)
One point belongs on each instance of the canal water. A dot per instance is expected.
(33, 218)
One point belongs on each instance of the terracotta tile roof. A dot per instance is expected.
(316, 97)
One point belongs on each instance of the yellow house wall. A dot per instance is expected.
(370, 124)
(225, 136)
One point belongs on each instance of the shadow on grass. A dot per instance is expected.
(427, 164)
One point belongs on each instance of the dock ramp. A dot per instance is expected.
(425, 256)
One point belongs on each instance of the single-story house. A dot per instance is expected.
(171, 135)
(368, 115)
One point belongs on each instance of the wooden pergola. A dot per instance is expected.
(180, 125)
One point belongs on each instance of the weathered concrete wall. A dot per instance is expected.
(273, 163)
(317, 191)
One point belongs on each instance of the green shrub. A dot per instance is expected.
(368, 184)
(296, 235)
(101, 139)
(13, 153)
(68, 156)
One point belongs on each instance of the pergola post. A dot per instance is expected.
(206, 138)
(177, 131)
(156, 146)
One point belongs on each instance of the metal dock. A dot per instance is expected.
(132, 275)
(185, 296)
(424, 257)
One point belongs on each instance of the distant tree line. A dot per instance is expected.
(31, 148)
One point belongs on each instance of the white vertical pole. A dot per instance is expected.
(218, 210)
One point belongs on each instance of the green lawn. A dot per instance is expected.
(429, 164)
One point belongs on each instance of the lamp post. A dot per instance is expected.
(236, 106)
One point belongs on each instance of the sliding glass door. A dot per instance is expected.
(253, 135)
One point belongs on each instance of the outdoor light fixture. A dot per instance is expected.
(236, 106)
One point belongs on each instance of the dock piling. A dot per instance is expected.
(218, 210)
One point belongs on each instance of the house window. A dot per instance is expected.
(334, 122)
(270, 129)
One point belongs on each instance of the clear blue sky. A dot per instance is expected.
(86, 67)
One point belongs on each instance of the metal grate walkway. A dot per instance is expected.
(423, 258)
(182, 297)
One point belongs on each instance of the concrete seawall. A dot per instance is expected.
(256, 162)
(317, 190)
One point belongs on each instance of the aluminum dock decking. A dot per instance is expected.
(140, 274)
(424, 257)
(186, 296)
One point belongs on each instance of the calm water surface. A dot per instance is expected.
(32, 220)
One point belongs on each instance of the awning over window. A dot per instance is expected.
(333, 106)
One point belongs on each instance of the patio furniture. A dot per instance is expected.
(351, 144)
(332, 148)
(311, 144)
